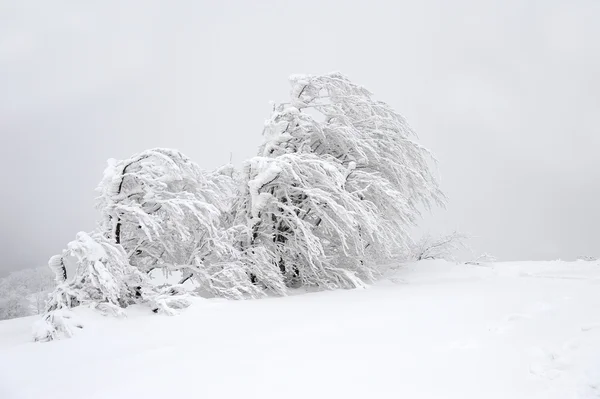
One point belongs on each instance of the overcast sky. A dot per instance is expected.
(505, 93)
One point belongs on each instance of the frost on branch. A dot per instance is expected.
(300, 213)
(57, 265)
(103, 277)
(169, 214)
(481, 259)
(334, 189)
(329, 115)
(336, 185)
(160, 207)
(444, 247)
(159, 211)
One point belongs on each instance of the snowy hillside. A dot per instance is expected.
(431, 330)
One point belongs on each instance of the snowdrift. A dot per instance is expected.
(428, 330)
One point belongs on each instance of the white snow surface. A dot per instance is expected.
(431, 329)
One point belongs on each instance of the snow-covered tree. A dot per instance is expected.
(24, 292)
(337, 183)
(159, 211)
(14, 303)
(103, 278)
(160, 207)
(103, 274)
(169, 214)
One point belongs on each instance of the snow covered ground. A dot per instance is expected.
(431, 330)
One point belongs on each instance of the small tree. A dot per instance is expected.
(587, 258)
(103, 278)
(443, 247)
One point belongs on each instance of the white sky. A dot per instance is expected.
(505, 93)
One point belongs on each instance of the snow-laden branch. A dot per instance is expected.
(442, 247)
(334, 189)
(338, 182)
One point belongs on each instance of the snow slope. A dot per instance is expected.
(430, 330)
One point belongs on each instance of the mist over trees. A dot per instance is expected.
(24, 293)
(333, 191)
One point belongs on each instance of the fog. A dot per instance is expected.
(506, 94)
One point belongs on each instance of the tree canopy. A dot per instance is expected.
(333, 191)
